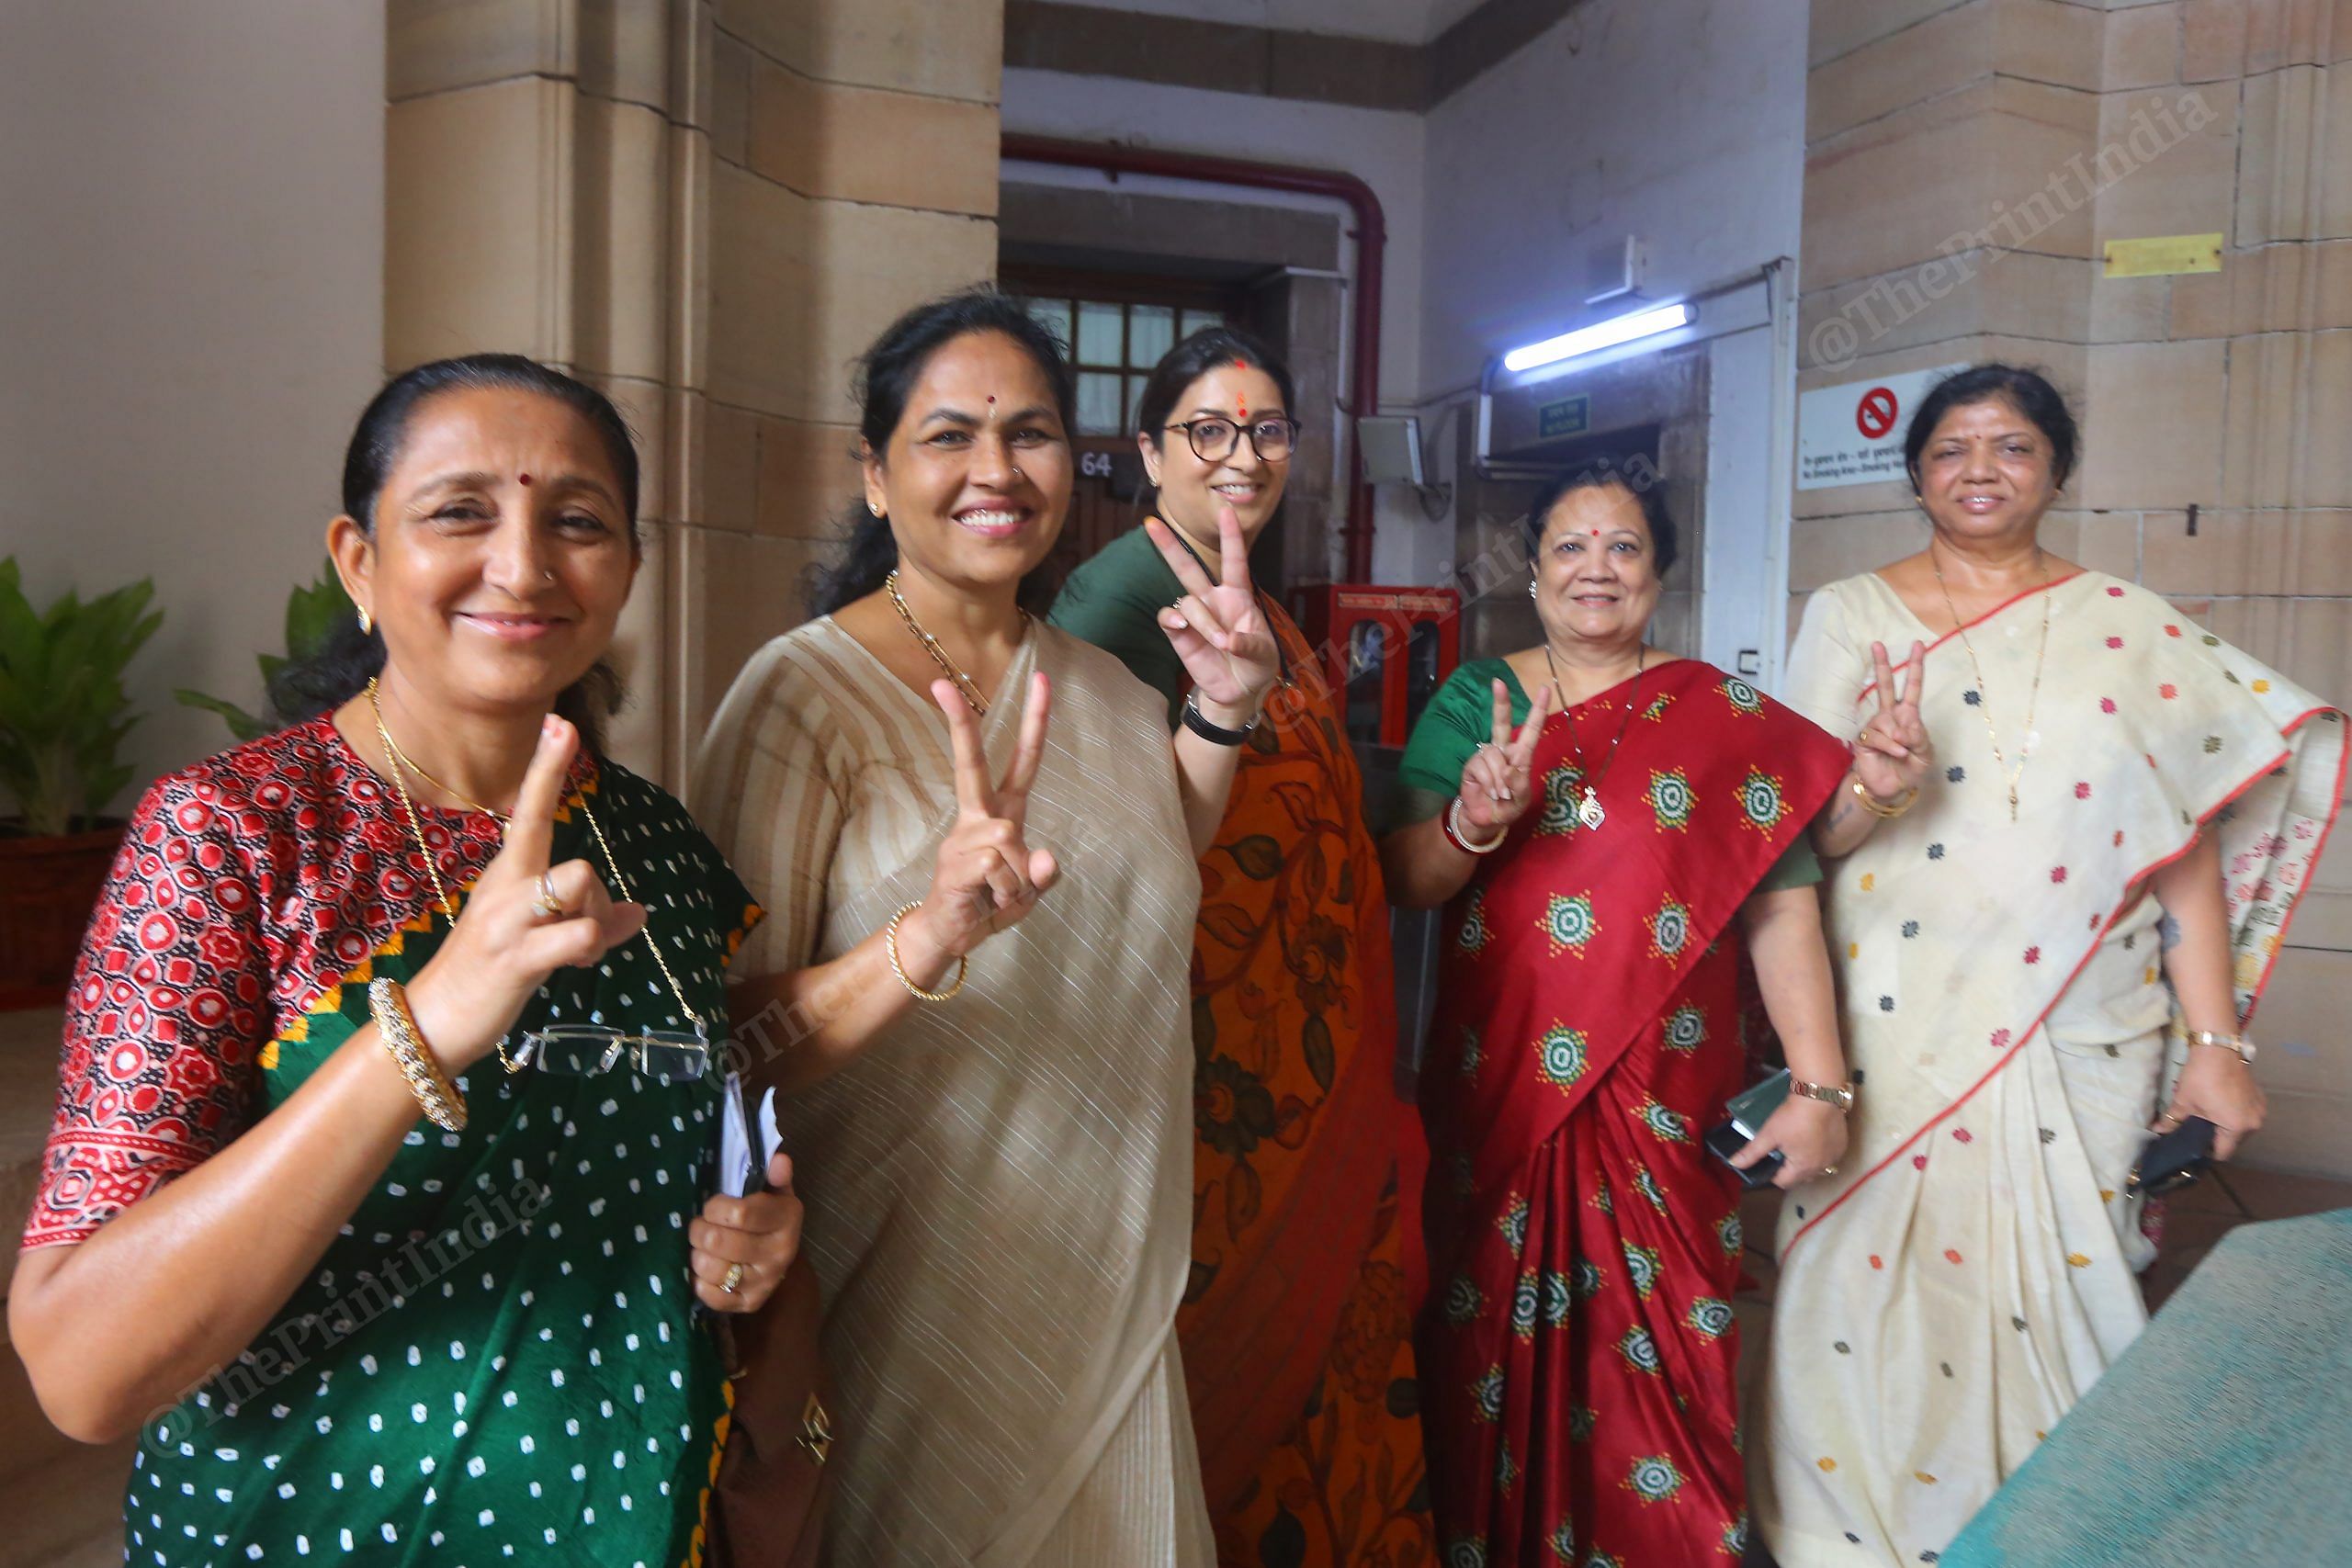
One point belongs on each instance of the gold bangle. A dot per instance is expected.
(890, 946)
(1881, 809)
(438, 1097)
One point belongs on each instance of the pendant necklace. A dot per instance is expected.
(973, 697)
(1590, 811)
(1984, 697)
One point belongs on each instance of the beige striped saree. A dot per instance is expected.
(998, 1190)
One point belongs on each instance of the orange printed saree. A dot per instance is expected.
(1296, 1319)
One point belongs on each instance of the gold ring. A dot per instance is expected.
(549, 906)
(734, 1280)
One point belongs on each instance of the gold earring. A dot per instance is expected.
(366, 622)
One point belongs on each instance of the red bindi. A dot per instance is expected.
(525, 479)
(992, 402)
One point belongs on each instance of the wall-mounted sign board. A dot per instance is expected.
(2163, 256)
(1852, 434)
(1569, 416)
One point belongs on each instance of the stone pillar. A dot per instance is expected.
(855, 175)
(1967, 163)
(706, 207)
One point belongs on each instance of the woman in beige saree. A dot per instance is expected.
(2076, 829)
(975, 977)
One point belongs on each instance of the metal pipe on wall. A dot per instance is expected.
(1372, 241)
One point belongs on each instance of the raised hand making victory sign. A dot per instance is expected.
(1498, 784)
(987, 877)
(1216, 627)
(1892, 754)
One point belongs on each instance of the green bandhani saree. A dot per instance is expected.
(497, 1359)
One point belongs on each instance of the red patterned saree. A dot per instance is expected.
(1577, 1353)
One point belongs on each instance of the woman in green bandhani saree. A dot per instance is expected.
(366, 1291)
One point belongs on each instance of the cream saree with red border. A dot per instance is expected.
(1947, 1299)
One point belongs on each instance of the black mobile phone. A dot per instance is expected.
(2172, 1160)
(1749, 1111)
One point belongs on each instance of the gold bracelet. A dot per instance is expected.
(890, 946)
(1881, 809)
(442, 1103)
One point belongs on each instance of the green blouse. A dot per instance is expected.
(1461, 717)
(1113, 601)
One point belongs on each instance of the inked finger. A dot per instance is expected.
(1204, 620)
(530, 832)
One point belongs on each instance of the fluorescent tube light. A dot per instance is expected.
(1604, 335)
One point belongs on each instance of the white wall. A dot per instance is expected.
(191, 313)
(1381, 148)
(1678, 121)
(1681, 121)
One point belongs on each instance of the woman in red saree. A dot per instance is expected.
(1609, 869)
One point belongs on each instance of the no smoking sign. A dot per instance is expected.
(1852, 433)
(1874, 415)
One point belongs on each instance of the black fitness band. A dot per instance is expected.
(1209, 729)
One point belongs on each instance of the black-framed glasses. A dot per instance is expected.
(583, 1050)
(1214, 439)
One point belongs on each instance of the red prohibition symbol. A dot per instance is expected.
(1876, 415)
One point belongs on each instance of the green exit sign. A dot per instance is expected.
(1569, 416)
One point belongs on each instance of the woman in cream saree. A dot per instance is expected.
(1000, 1193)
(1947, 1298)
(973, 986)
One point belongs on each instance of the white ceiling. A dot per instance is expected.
(1402, 21)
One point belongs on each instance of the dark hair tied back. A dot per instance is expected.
(1641, 481)
(340, 670)
(2028, 391)
(886, 374)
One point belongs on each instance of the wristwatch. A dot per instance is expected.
(2238, 1042)
(1840, 1094)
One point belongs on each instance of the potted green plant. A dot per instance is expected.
(313, 610)
(63, 715)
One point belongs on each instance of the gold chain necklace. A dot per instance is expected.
(449, 906)
(1984, 695)
(973, 698)
(405, 760)
(1590, 811)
